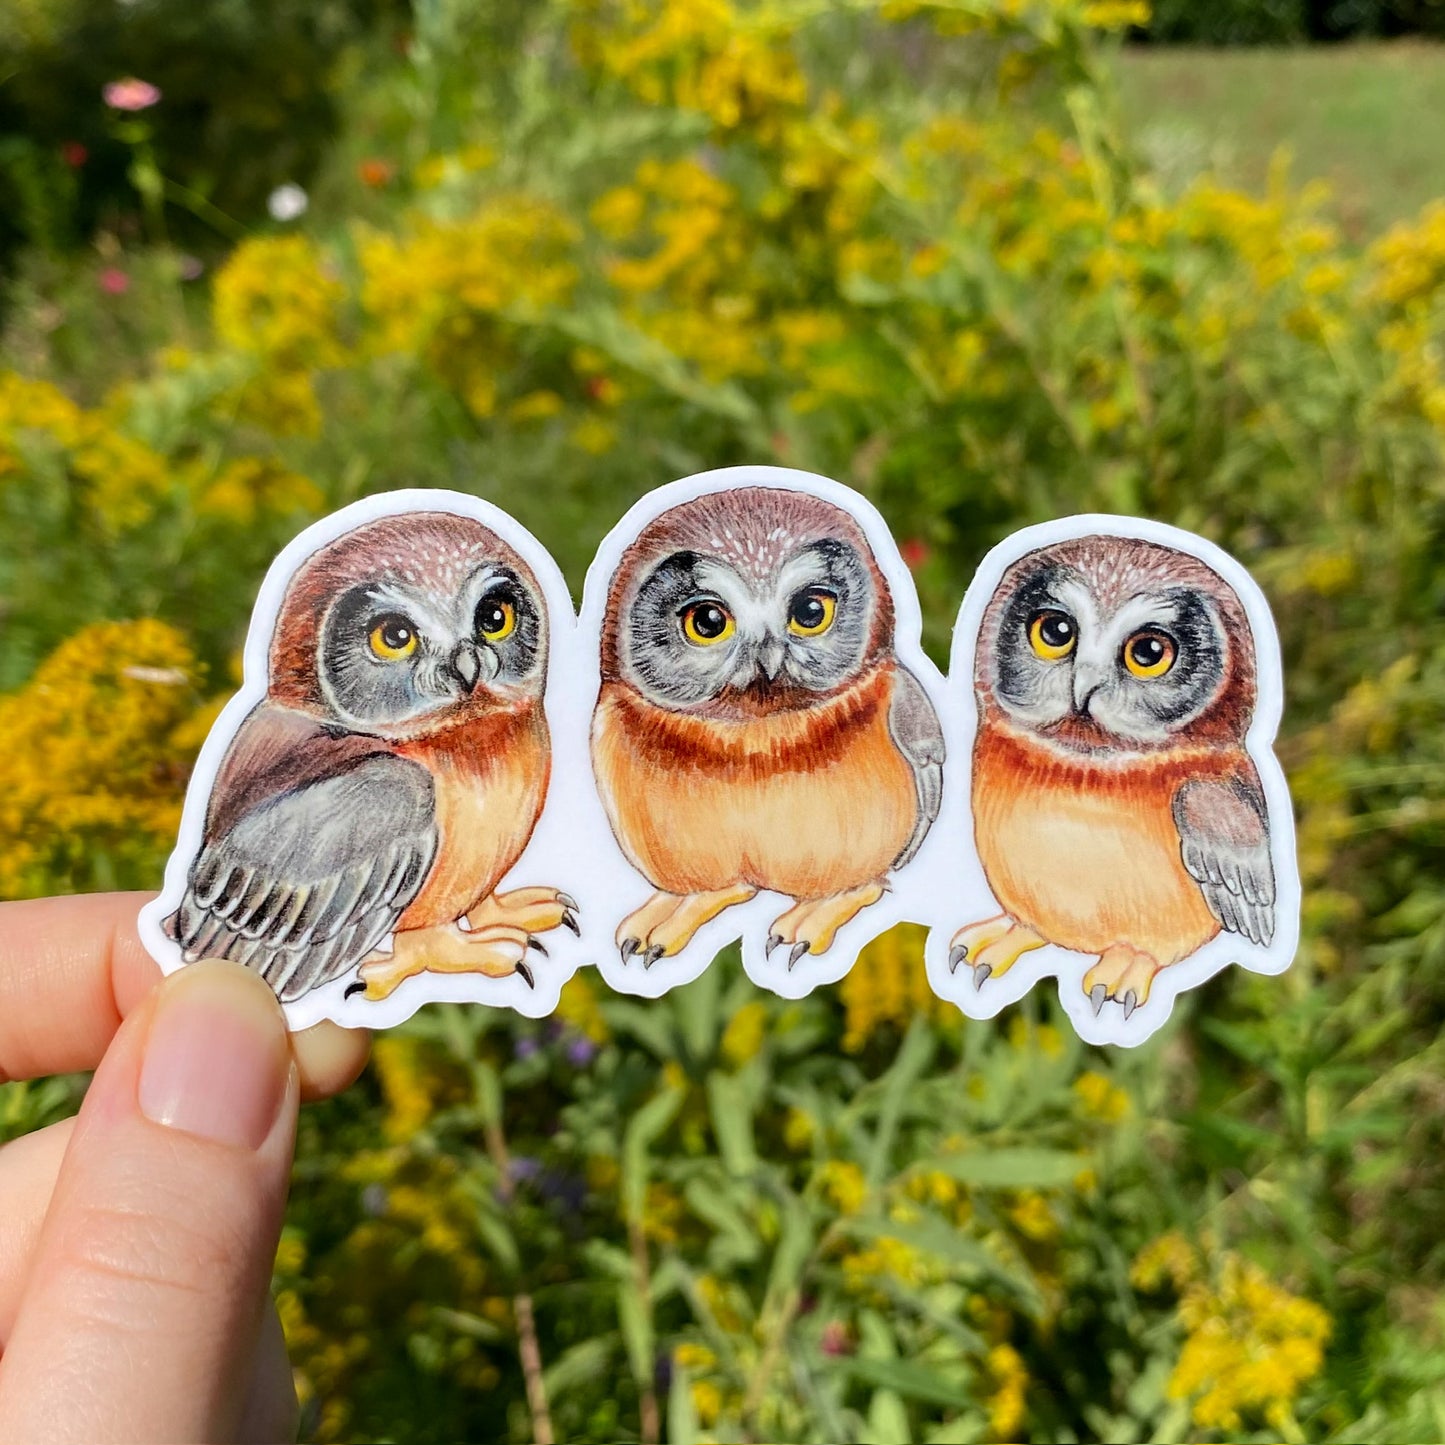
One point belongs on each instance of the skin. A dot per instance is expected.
(135, 1256)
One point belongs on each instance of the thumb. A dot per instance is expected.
(143, 1310)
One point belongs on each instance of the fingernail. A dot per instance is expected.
(217, 1057)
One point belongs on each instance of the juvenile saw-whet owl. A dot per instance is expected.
(1117, 811)
(392, 775)
(755, 729)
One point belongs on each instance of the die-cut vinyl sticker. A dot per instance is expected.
(1121, 687)
(436, 783)
(365, 823)
(767, 739)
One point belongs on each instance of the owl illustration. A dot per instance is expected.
(392, 774)
(1116, 809)
(754, 729)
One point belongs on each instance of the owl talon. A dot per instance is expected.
(525, 974)
(1123, 974)
(569, 920)
(569, 903)
(628, 947)
(811, 924)
(354, 988)
(539, 946)
(774, 939)
(652, 955)
(993, 946)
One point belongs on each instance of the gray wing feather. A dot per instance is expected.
(913, 725)
(304, 886)
(1224, 843)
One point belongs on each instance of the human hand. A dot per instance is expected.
(137, 1239)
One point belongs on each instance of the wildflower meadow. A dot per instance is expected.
(554, 254)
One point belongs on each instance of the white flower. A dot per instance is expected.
(287, 202)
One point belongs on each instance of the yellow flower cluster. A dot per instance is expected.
(887, 1258)
(97, 748)
(844, 1185)
(1101, 1098)
(743, 1038)
(248, 487)
(1250, 1344)
(1006, 1402)
(119, 479)
(581, 1009)
(276, 302)
(888, 987)
(443, 291)
(731, 63)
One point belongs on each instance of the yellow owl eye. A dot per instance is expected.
(496, 618)
(812, 612)
(392, 638)
(1052, 635)
(706, 623)
(1149, 653)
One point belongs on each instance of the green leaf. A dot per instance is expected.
(908, 1377)
(649, 1122)
(583, 1362)
(732, 1123)
(1012, 1168)
(913, 1057)
(636, 1331)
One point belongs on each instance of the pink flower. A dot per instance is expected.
(836, 1339)
(130, 94)
(114, 281)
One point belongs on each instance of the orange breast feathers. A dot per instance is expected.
(490, 775)
(806, 803)
(1087, 853)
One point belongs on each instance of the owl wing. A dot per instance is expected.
(1224, 841)
(914, 727)
(315, 844)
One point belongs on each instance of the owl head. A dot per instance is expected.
(408, 623)
(1109, 643)
(746, 602)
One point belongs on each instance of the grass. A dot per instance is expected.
(1368, 118)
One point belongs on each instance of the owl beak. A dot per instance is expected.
(465, 664)
(1087, 681)
(770, 658)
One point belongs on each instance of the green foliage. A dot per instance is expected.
(560, 253)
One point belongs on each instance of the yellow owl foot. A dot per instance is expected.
(811, 925)
(992, 947)
(1123, 974)
(532, 910)
(496, 952)
(666, 923)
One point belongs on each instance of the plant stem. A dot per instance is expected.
(651, 1428)
(528, 1349)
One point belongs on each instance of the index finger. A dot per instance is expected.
(70, 970)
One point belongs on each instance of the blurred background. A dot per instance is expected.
(990, 262)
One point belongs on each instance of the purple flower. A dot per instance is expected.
(524, 1167)
(525, 1047)
(580, 1051)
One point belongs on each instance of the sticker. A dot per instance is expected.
(365, 825)
(1120, 687)
(438, 784)
(768, 738)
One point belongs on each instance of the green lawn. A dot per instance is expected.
(1368, 118)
